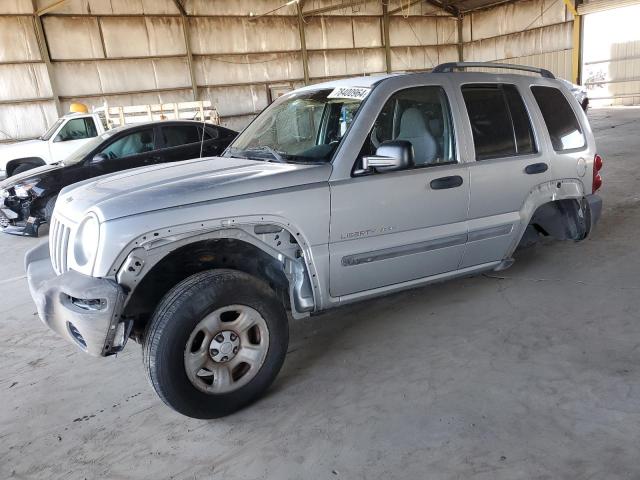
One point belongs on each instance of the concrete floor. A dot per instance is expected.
(533, 373)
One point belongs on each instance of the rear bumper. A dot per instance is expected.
(82, 309)
(594, 210)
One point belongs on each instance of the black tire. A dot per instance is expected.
(48, 208)
(176, 317)
(585, 105)
(23, 167)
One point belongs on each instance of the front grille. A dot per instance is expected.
(58, 245)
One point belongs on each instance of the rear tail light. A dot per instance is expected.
(597, 179)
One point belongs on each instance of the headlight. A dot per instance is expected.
(22, 189)
(85, 244)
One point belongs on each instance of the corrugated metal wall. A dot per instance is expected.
(134, 52)
(535, 32)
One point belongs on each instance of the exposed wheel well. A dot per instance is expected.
(13, 164)
(561, 219)
(197, 257)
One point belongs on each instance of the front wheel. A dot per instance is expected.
(48, 208)
(215, 343)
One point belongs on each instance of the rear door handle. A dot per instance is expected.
(536, 168)
(446, 182)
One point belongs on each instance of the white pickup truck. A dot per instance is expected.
(65, 136)
(73, 130)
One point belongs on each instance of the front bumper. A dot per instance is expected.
(30, 228)
(14, 223)
(82, 309)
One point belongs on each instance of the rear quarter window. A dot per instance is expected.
(177, 135)
(563, 126)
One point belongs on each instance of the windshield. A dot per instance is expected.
(301, 127)
(49, 133)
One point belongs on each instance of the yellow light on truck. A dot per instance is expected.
(78, 108)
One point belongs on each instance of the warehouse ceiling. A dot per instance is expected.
(452, 7)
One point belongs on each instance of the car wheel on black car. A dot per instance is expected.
(48, 208)
(215, 343)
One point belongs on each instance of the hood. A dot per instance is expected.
(29, 175)
(28, 148)
(183, 183)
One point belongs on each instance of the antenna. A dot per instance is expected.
(202, 138)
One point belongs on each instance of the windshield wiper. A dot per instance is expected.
(237, 153)
(240, 153)
(267, 148)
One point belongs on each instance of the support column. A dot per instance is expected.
(576, 46)
(460, 38)
(576, 52)
(385, 36)
(187, 46)
(45, 56)
(303, 43)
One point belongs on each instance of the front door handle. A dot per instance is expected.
(446, 182)
(536, 168)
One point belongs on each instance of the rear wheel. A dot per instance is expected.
(215, 343)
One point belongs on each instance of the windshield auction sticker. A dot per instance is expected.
(355, 93)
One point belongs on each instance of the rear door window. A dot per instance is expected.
(174, 136)
(499, 121)
(563, 126)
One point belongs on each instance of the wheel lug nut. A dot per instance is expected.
(235, 349)
(233, 337)
(214, 352)
(225, 358)
(219, 338)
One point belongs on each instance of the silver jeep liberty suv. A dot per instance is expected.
(337, 192)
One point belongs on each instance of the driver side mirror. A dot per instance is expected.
(98, 158)
(391, 155)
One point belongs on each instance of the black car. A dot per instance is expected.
(27, 199)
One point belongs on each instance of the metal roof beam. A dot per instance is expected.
(303, 42)
(331, 8)
(180, 7)
(45, 55)
(187, 46)
(450, 9)
(45, 10)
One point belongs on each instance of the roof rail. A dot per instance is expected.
(449, 67)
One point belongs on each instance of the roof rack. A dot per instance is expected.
(449, 67)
